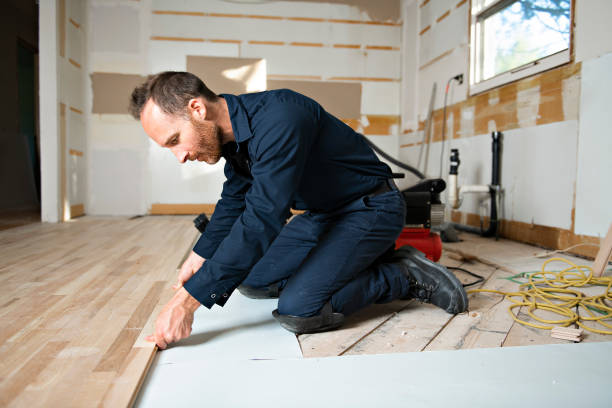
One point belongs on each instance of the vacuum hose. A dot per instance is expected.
(395, 161)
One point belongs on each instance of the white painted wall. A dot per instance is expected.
(49, 112)
(593, 29)
(593, 185)
(543, 166)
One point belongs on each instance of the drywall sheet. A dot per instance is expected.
(538, 180)
(242, 330)
(111, 92)
(229, 75)
(593, 193)
(501, 377)
(341, 99)
(592, 22)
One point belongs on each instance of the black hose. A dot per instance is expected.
(493, 220)
(395, 161)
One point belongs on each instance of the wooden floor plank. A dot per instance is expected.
(75, 299)
(355, 328)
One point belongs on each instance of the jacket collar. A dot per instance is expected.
(238, 118)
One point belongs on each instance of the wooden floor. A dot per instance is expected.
(74, 300)
(411, 326)
(78, 298)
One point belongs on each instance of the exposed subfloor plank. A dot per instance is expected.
(411, 326)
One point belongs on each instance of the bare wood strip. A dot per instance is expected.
(311, 19)
(11, 387)
(74, 23)
(436, 59)
(74, 152)
(219, 40)
(443, 16)
(365, 79)
(168, 209)
(267, 42)
(77, 210)
(269, 17)
(423, 31)
(225, 15)
(461, 3)
(306, 44)
(354, 46)
(381, 47)
(75, 110)
(187, 39)
(73, 62)
(423, 4)
(179, 13)
(263, 17)
(535, 234)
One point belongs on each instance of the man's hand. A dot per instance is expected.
(175, 320)
(191, 265)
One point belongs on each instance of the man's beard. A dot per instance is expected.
(209, 141)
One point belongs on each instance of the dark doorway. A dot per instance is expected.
(20, 193)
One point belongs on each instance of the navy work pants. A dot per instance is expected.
(322, 257)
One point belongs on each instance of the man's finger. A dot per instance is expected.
(161, 343)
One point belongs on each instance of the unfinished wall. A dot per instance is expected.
(331, 52)
(550, 130)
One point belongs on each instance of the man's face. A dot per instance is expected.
(188, 139)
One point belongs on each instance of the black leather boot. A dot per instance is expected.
(431, 282)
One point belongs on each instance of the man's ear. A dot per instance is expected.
(197, 108)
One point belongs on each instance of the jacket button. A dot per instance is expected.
(225, 295)
(213, 296)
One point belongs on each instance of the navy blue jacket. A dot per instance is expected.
(289, 153)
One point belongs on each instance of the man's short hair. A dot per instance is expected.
(171, 91)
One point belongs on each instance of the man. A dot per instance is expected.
(283, 151)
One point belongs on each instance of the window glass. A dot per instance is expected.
(522, 32)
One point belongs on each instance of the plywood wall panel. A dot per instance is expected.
(171, 55)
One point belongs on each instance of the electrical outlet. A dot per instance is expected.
(459, 78)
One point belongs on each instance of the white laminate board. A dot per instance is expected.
(556, 375)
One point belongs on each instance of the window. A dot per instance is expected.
(512, 39)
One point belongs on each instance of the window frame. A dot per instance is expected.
(534, 67)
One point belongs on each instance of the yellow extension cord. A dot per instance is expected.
(535, 295)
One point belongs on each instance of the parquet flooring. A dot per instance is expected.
(74, 300)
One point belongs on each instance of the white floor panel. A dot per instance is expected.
(560, 375)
